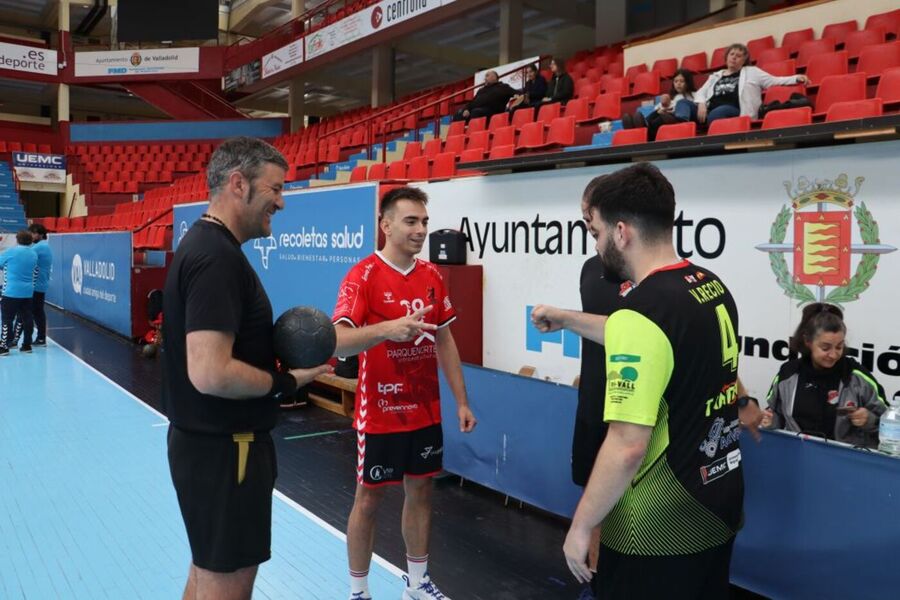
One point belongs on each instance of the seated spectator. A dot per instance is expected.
(561, 87)
(825, 392)
(674, 107)
(489, 100)
(533, 92)
(737, 89)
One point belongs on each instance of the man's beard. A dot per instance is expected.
(614, 269)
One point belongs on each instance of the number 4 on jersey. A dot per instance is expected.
(729, 339)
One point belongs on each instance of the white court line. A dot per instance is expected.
(393, 569)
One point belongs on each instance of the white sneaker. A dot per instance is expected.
(426, 590)
(360, 596)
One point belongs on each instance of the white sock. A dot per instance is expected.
(359, 582)
(417, 568)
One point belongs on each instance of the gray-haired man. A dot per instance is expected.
(221, 390)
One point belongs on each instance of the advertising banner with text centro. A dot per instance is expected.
(780, 229)
(315, 240)
(358, 25)
(92, 277)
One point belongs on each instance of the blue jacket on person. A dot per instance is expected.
(44, 265)
(18, 264)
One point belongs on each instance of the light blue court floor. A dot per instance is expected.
(87, 508)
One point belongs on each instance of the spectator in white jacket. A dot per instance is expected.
(737, 89)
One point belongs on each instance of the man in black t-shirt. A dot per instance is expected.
(221, 390)
(598, 297)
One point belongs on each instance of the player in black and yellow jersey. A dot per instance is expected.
(667, 484)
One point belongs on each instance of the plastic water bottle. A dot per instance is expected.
(889, 428)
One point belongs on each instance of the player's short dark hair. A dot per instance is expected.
(391, 198)
(24, 238)
(639, 195)
(38, 229)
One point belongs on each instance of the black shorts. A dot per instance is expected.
(701, 576)
(229, 524)
(586, 441)
(385, 458)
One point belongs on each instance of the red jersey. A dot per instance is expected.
(398, 381)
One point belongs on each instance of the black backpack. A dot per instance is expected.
(797, 100)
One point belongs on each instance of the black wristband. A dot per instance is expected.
(745, 400)
(283, 385)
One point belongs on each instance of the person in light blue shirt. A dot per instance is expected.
(41, 283)
(18, 264)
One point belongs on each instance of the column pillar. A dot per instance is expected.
(297, 86)
(510, 31)
(382, 75)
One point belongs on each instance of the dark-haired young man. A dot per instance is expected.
(41, 283)
(667, 483)
(393, 310)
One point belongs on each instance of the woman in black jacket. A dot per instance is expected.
(533, 92)
(561, 87)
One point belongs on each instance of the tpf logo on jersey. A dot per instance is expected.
(77, 274)
(265, 246)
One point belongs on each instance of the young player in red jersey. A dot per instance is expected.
(394, 312)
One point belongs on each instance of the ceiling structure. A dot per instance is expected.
(442, 54)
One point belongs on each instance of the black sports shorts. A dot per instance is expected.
(385, 458)
(228, 521)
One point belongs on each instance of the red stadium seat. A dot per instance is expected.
(784, 68)
(726, 126)
(455, 144)
(790, 117)
(757, 46)
(676, 131)
(444, 166)
(562, 132)
(478, 140)
(840, 88)
(500, 152)
(822, 65)
(857, 109)
(839, 31)
(694, 62)
(548, 112)
(377, 172)
(666, 67)
(874, 60)
(616, 69)
(858, 40)
(792, 40)
(433, 148)
(615, 85)
(607, 107)
(889, 21)
(475, 154)
(718, 58)
(418, 168)
(633, 71)
(889, 87)
(589, 90)
(479, 124)
(772, 55)
(412, 150)
(521, 117)
(499, 120)
(578, 108)
(531, 136)
(646, 84)
(505, 136)
(456, 128)
(624, 137)
(813, 48)
(397, 169)
(358, 173)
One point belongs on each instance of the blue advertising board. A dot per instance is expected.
(316, 239)
(39, 168)
(92, 277)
